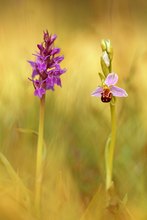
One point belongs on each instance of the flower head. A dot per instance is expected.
(46, 68)
(108, 89)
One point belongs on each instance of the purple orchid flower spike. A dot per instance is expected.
(46, 68)
(108, 89)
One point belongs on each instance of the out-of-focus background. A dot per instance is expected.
(76, 124)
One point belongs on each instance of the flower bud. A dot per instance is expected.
(106, 46)
(106, 59)
(103, 45)
(105, 69)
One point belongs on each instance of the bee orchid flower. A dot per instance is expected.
(108, 89)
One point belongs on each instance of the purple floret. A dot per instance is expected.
(46, 68)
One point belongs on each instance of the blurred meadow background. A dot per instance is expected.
(76, 124)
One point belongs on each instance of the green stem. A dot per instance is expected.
(110, 148)
(39, 156)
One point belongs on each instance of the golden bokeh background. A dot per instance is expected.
(76, 124)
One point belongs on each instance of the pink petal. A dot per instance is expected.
(111, 79)
(97, 92)
(119, 92)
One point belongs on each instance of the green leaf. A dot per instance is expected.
(102, 77)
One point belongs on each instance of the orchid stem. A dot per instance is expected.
(39, 171)
(109, 154)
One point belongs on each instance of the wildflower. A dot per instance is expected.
(108, 89)
(46, 68)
